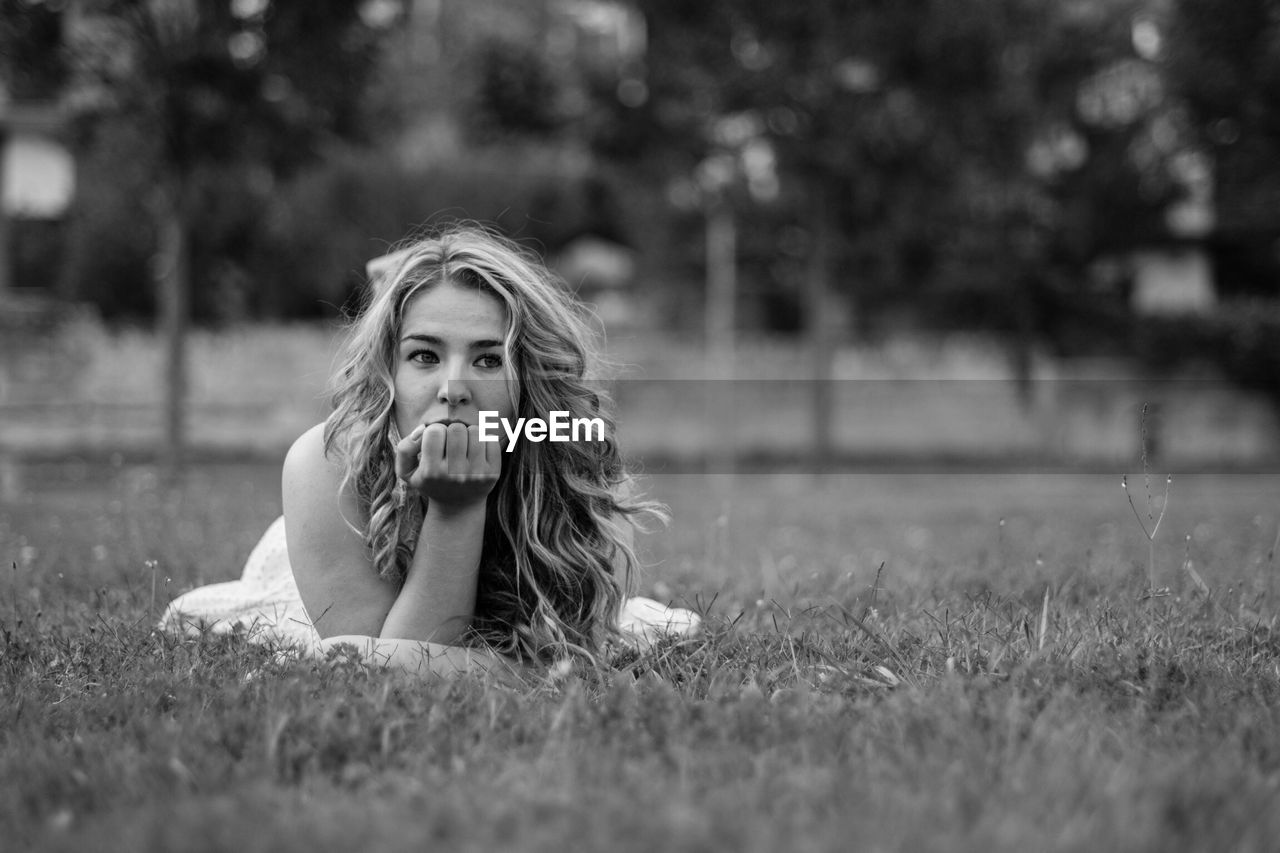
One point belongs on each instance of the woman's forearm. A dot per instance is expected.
(420, 658)
(438, 599)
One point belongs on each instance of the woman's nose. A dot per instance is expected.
(454, 392)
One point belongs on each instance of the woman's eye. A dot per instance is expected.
(490, 360)
(424, 356)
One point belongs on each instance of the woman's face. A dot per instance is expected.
(449, 363)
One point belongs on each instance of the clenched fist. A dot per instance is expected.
(448, 464)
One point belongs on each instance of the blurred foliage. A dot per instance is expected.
(517, 92)
(267, 84)
(1224, 60)
(325, 225)
(1240, 339)
(301, 251)
(974, 158)
(194, 113)
(31, 35)
(1223, 64)
(36, 246)
(110, 240)
(948, 135)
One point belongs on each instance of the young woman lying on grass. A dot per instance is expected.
(407, 536)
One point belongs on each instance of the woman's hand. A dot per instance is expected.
(449, 465)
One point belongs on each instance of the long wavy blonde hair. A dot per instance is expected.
(555, 529)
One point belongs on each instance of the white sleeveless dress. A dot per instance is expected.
(265, 604)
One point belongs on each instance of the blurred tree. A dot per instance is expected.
(1222, 58)
(927, 124)
(236, 93)
(31, 64)
(963, 159)
(323, 226)
(517, 91)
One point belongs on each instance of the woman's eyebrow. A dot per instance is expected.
(439, 342)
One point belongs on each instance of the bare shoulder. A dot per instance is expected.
(306, 461)
(313, 495)
(331, 564)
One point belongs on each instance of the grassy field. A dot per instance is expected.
(891, 662)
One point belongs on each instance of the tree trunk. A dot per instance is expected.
(6, 258)
(173, 288)
(721, 320)
(1020, 349)
(722, 282)
(821, 348)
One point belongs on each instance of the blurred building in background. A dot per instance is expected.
(37, 176)
(37, 184)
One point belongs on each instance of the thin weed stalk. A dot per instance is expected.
(1000, 544)
(1044, 620)
(1271, 564)
(153, 565)
(1152, 519)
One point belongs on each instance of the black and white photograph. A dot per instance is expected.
(639, 425)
